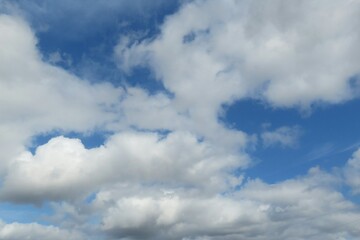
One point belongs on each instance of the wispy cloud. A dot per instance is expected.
(283, 136)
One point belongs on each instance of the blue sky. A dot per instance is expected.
(198, 120)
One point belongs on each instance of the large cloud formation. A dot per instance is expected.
(170, 169)
(287, 53)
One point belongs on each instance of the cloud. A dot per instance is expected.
(51, 98)
(157, 194)
(37, 97)
(18, 231)
(352, 172)
(63, 169)
(288, 54)
(308, 207)
(283, 136)
(162, 112)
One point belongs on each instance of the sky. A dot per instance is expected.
(180, 120)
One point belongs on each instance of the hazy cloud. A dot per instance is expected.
(283, 136)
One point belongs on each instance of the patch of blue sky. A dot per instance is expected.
(90, 198)
(329, 137)
(144, 78)
(25, 213)
(86, 36)
(348, 194)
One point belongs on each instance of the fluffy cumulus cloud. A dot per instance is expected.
(169, 168)
(286, 53)
(306, 208)
(63, 169)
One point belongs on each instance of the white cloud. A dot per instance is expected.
(64, 169)
(34, 231)
(308, 207)
(162, 112)
(287, 53)
(154, 187)
(283, 136)
(40, 96)
(36, 97)
(352, 172)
